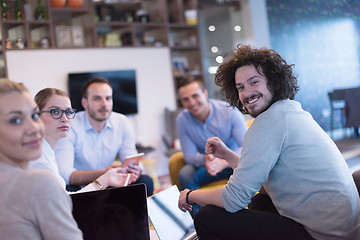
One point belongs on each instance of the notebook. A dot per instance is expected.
(116, 213)
(170, 223)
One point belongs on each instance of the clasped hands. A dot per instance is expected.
(215, 151)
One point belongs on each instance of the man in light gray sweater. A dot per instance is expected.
(311, 193)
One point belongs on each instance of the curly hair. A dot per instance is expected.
(280, 78)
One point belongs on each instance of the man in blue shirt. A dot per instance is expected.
(96, 137)
(203, 118)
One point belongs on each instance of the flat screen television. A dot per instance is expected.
(122, 81)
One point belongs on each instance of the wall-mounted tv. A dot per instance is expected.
(122, 81)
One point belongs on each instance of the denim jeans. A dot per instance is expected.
(192, 177)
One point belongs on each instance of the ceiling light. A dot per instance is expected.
(212, 70)
(214, 49)
(237, 28)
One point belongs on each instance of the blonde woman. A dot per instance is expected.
(33, 205)
(57, 114)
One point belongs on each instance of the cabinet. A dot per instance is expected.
(108, 24)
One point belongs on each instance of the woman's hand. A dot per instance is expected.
(135, 171)
(182, 201)
(114, 178)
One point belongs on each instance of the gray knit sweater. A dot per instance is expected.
(301, 169)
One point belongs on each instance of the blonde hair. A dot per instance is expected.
(8, 86)
(43, 95)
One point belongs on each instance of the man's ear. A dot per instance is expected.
(206, 93)
(84, 102)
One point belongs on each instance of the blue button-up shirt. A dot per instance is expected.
(86, 149)
(224, 122)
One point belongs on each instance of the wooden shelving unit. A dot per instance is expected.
(108, 24)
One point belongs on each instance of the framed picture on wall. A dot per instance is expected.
(69, 36)
(180, 65)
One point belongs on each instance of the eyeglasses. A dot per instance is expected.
(57, 113)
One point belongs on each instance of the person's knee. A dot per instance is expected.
(187, 171)
(205, 214)
(186, 175)
(147, 180)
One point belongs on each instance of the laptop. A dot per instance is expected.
(115, 213)
(170, 223)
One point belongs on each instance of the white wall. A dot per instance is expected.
(38, 69)
(256, 24)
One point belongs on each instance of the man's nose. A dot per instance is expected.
(103, 101)
(192, 101)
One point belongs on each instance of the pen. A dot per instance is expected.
(127, 180)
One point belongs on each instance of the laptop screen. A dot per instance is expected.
(117, 213)
(168, 220)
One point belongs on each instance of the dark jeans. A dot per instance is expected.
(147, 180)
(260, 222)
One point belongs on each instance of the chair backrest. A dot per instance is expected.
(337, 98)
(170, 124)
(337, 94)
(352, 100)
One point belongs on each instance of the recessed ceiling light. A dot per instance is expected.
(214, 49)
(219, 59)
(237, 28)
(211, 28)
(212, 70)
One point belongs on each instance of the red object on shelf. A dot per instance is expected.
(76, 3)
(57, 3)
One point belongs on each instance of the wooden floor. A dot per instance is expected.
(348, 144)
(350, 149)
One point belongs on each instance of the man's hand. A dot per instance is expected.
(217, 148)
(214, 165)
(182, 201)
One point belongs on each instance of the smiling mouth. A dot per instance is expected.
(252, 99)
(34, 143)
(194, 108)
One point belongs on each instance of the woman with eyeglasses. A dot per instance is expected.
(33, 205)
(57, 114)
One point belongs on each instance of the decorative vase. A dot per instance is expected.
(57, 3)
(75, 3)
